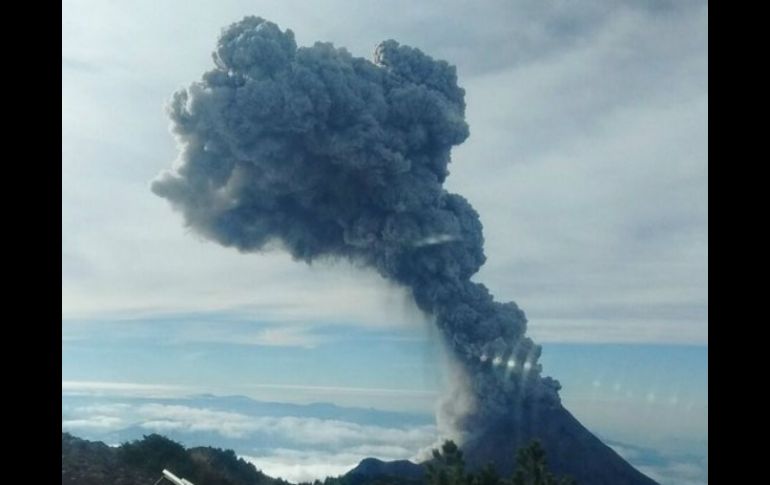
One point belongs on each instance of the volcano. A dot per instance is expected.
(334, 157)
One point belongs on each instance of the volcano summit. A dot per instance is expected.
(327, 155)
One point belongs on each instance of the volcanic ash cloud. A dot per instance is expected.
(334, 156)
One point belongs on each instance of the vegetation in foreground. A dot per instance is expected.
(140, 462)
(448, 468)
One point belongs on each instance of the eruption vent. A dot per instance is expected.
(334, 156)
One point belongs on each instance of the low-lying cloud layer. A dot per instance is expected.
(302, 443)
(295, 447)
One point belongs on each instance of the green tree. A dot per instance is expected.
(154, 453)
(531, 468)
(487, 476)
(447, 466)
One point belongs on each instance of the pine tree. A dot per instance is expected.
(447, 466)
(487, 476)
(531, 468)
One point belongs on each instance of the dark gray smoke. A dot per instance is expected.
(330, 155)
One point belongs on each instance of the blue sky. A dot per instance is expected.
(637, 397)
(587, 163)
(613, 388)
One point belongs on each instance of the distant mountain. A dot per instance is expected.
(320, 410)
(252, 407)
(371, 469)
(133, 422)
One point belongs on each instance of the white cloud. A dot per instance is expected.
(320, 447)
(306, 448)
(667, 468)
(104, 408)
(395, 399)
(301, 430)
(627, 453)
(587, 163)
(371, 391)
(331, 433)
(200, 277)
(299, 466)
(94, 421)
(308, 465)
(129, 389)
(593, 189)
(678, 473)
(286, 335)
(659, 425)
(164, 417)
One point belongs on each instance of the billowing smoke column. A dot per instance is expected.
(333, 156)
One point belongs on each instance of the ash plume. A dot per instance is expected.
(334, 156)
